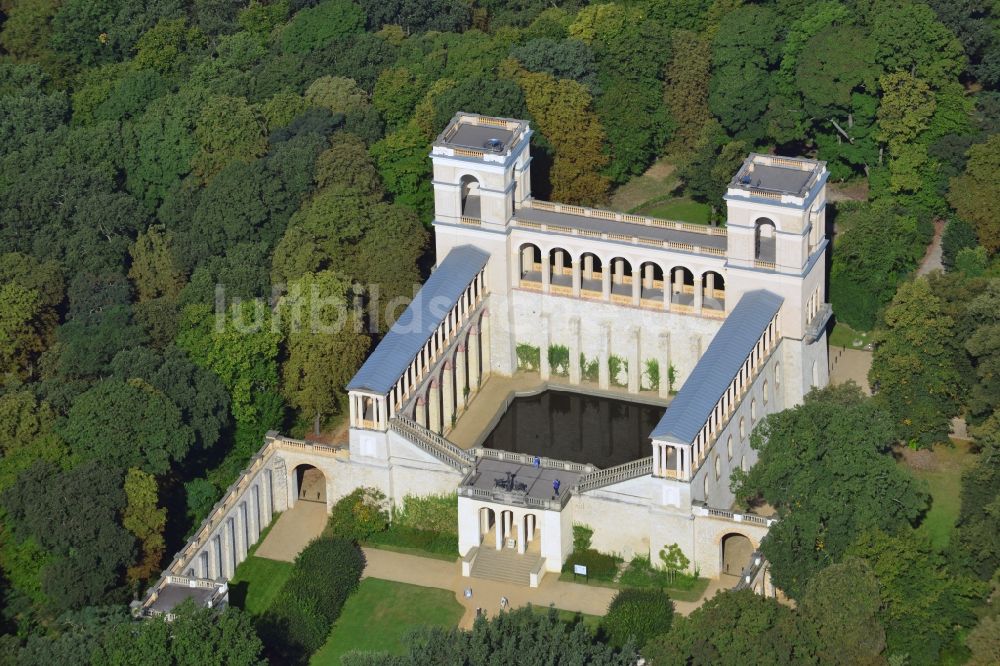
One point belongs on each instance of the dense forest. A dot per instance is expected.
(180, 180)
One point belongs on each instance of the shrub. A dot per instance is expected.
(600, 566)
(618, 367)
(529, 357)
(429, 541)
(653, 374)
(639, 615)
(582, 534)
(359, 515)
(433, 513)
(299, 619)
(589, 369)
(559, 360)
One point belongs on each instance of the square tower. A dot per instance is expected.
(482, 170)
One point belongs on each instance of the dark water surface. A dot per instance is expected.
(568, 426)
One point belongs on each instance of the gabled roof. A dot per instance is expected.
(730, 348)
(425, 313)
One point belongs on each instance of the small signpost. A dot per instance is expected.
(580, 570)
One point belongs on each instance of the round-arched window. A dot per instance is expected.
(743, 428)
(753, 410)
(743, 463)
(765, 392)
(777, 376)
(704, 487)
(729, 447)
(718, 467)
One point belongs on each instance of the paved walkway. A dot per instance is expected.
(932, 258)
(850, 364)
(486, 594)
(293, 530)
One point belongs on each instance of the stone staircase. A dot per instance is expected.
(505, 566)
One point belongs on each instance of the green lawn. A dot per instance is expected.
(592, 622)
(942, 470)
(845, 336)
(381, 613)
(678, 209)
(256, 582)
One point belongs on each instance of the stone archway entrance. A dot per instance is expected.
(736, 550)
(310, 484)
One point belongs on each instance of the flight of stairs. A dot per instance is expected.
(505, 566)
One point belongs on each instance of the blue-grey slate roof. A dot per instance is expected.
(713, 374)
(416, 325)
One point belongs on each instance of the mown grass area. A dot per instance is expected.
(592, 622)
(679, 209)
(845, 336)
(426, 543)
(942, 469)
(381, 613)
(256, 582)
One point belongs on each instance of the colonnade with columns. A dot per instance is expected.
(509, 524)
(680, 459)
(372, 411)
(653, 285)
(240, 529)
(458, 377)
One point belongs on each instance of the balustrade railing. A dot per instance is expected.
(606, 477)
(432, 443)
(525, 459)
(622, 217)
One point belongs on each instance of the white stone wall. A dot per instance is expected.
(609, 328)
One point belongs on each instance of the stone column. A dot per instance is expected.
(520, 536)
(678, 280)
(668, 289)
(484, 342)
(448, 396)
(606, 283)
(215, 557)
(588, 267)
(434, 407)
(267, 502)
(634, 357)
(530, 518)
(647, 277)
(699, 296)
(498, 524)
(636, 289)
(351, 402)
(618, 270)
(710, 284)
(474, 350)
(576, 278)
(527, 261)
(574, 351)
(546, 273)
(560, 262)
(543, 350)
(254, 513)
(461, 385)
(421, 411)
(602, 358)
(664, 365)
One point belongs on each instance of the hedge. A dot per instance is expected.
(638, 615)
(600, 566)
(299, 620)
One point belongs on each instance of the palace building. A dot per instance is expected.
(566, 365)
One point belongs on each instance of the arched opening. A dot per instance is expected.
(621, 277)
(310, 484)
(561, 267)
(714, 294)
(764, 239)
(487, 523)
(736, 552)
(815, 375)
(591, 275)
(682, 286)
(532, 534)
(471, 206)
(530, 264)
(508, 530)
(652, 282)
